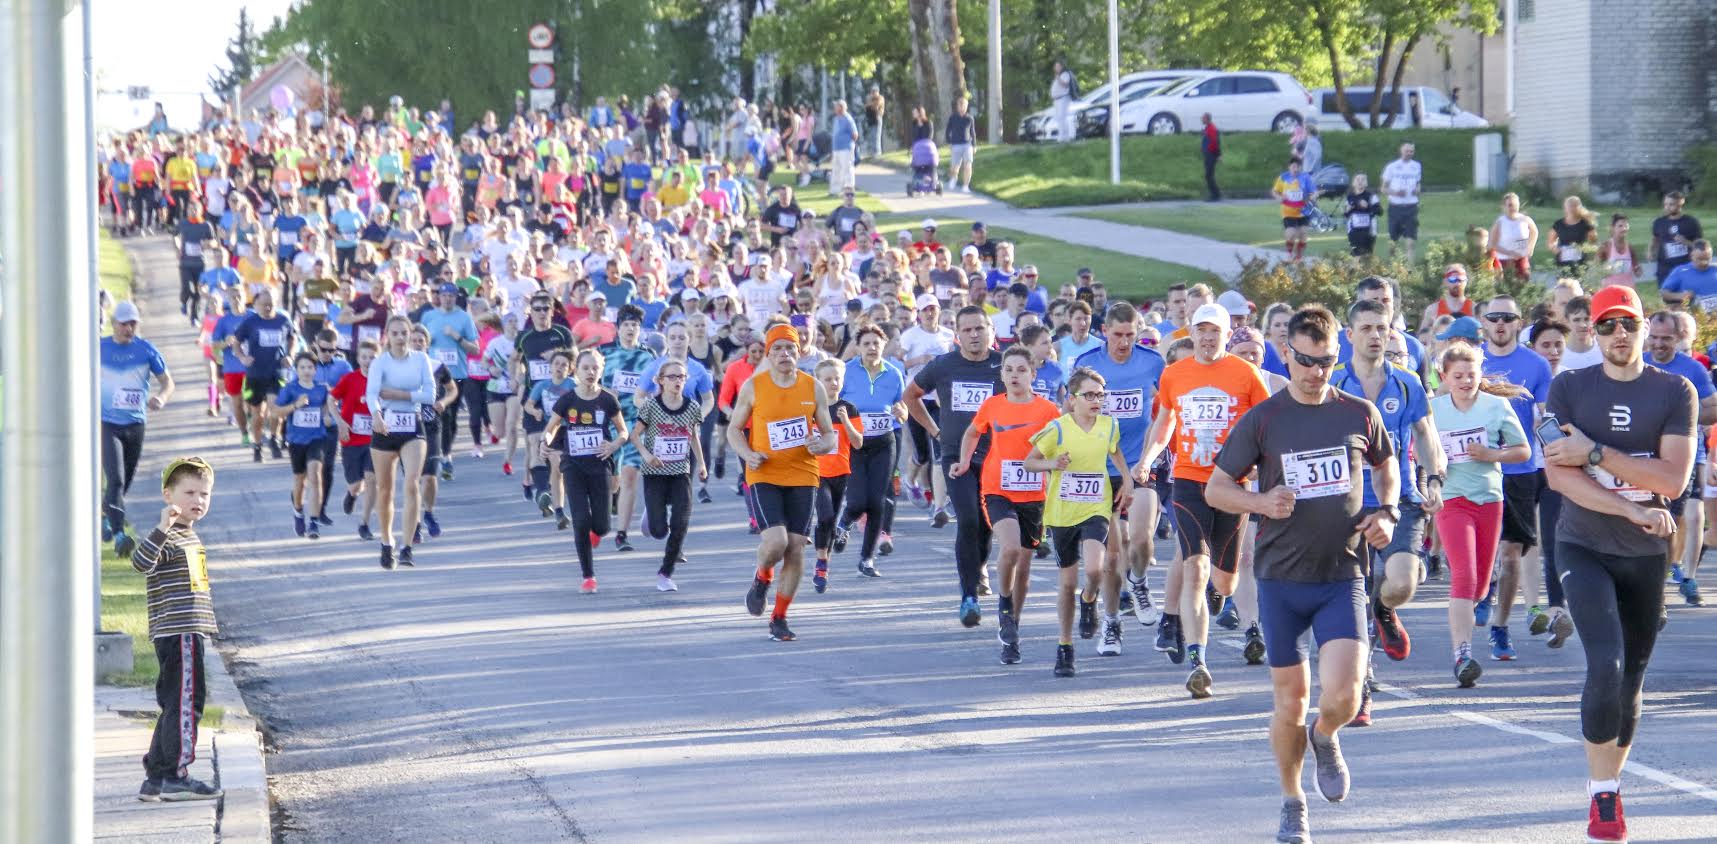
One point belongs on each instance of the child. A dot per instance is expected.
(306, 405)
(356, 427)
(833, 470)
(666, 435)
(173, 561)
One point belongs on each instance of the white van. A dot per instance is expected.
(1433, 107)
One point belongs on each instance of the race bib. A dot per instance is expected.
(361, 425)
(1708, 303)
(197, 568)
(1125, 404)
(1204, 413)
(672, 449)
(401, 421)
(1673, 249)
(268, 338)
(307, 417)
(1359, 221)
(1455, 443)
(318, 307)
(501, 383)
(193, 250)
(1081, 487)
(1317, 473)
(369, 333)
(128, 398)
(626, 381)
(1617, 485)
(1568, 253)
(1015, 478)
(448, 357)
(611, 314)
(583, 442)
(877, 424)
(289, 238)
(476, 368)
(788, 433)
(539, 370)
(967, 395)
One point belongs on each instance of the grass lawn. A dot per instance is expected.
(1441, 215)
(124, 607)
(114, 267)
(1170, 167)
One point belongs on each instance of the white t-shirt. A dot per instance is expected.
(215, 196)
(497, 251)
(762, 299)
(1580, 360)
(1004, 324)
(519, 291)
(1401, 180)
(915, 342)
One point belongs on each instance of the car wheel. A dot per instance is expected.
(1287, 121)
(1163, 124)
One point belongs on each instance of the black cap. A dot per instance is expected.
(978, 226)
(1083, 271)
(1019, 289)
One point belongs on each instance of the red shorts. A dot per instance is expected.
(232, 382)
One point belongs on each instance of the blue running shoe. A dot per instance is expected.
(1481, 612)
(106, 537)
(1500, 649)
(1690, 592)
(123, 544)
(1229, 619)
(969, 615)
(433, 525)
(298, 522)
(1675, 575)
(820, 579)
(364, 533)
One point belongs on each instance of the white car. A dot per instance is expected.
(1238, 101)
(1040, 125)
(1434, 109)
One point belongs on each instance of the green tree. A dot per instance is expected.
(242, 50)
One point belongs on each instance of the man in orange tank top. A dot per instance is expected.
(785, 426)
(1454, 301)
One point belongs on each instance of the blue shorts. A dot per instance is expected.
(629, 456)
(1286, 610)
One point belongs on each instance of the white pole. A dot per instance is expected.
(1114, 93)
(994, 104)
(90, 258)
(47, 495)
(1508, 23)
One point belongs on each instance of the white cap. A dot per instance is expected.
(1235, 303)
(969, 250)
(1211, 313)
(929, 223)
(125, 312)
(926, 300)
(690, 294)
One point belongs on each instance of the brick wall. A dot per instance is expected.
(1653, 94)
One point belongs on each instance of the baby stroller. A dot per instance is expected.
(925, 162)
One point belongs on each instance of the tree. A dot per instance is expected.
(941, 73)
(242, 52)
(1394, 28)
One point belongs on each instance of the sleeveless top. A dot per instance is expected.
(1443, 307)
(781, 422)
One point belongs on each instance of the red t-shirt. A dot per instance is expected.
(349, 392)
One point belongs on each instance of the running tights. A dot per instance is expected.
(972, 535)
(1615, 602)
(1549, 510)
(475, 391)
(831, 497)
(667, 513)
(867, 492)
(705, 432)
(1469, 533)
(587, 504)
(121, 445)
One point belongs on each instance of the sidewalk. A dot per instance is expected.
(229, 748)
(1214, 256)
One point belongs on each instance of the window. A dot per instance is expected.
(1217, 87)
(1435, 103)
(1255, 85)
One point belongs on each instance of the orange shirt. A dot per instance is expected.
(1208, 399)
(838, 463)
(781, 423)
(1011, 426)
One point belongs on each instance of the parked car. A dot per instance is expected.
(1239, 101)
(1040, 125)
(1093, 119)
(1432, 107)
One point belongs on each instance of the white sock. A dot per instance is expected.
(1600, 786)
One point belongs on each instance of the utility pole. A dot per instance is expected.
(1114, 93)
(994, 107)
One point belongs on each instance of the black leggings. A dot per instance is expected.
(867, 492)
(1615, 603)
(191, 286)
(121, 445)
(1549, 510)
(476, 394)
(831, 495)
(705, 431)
(585, 481)
(662, 494)
(972, 535)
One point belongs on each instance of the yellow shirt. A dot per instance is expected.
(674, 197)
(1081, 491)
(181, 172)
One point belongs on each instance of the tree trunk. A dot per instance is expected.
(1401, 72)
(1320, 19)
(1377, 86)
(941, 74)
(747, 67)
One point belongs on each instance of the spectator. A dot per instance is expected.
(921, 129)
(1361, 214)
(1062, 90)
(874, 103)
(843, 141)
(1212, 148)
(1513, 236)
(1569, 236)
(961, 135)
(1672, 235)
(1401, 180)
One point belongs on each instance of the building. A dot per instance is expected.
(293, 72)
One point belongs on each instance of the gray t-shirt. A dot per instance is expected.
(1629, 416)
(1319, 451)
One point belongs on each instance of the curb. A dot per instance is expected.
(244, 809)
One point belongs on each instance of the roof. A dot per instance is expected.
(275, 74)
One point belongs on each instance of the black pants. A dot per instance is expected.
(668, 507)
(972, 535)
(343, 258)
(180, 692)
(1210, 160)
(1615, 602)
(476, 394)
(121, 445)
(330, 455)
(450, 423)
(191, 285)
(705, 432)
(1549, 510)
(177, 208)
(867, 492)
(831, 496)
(585, 482)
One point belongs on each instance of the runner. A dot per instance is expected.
(539, 408)
(434, 422)
(400, 383)
(962, 381)
(263, 342)
(594, 431)
(833, 471)
(1013, 496)
(128, 362)
(925, 341)
(1667, 333)
(779, 443)
(666, 434)
(530, 365)
(1627, 451)
(1293, 189)
(1197, 404)
(874, 387)
(623, 373)
(452, 339)
(1309, 444)
(1453, 302)
(355, 430)
(305, 406)
(506, 405)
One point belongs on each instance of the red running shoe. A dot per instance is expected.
(1362, 718)
(507, 468)
(1605, 822)
(1390, 629)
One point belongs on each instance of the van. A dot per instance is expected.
(1433, 108)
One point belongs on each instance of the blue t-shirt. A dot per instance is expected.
(348, 224)
(227, 326)
(1068, 351)
(653, 311)
(443, 348)
(873, 395)
(289, 229)
(618, 293)
(220, 278)
(1403, 402)
(1690, 369)
(1702, 284)
(1050, 382)
(268, 341)
(328, 374)
(546, 393)
(1132, 389)
(635, 180)
(699, 383)
(125, 372)
(1273, 362)
(309, 423)
(1525, 367)
(1037, 301)
(623, 373)
(844, 132)
(1415, 353)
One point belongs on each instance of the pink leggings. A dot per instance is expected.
(1469, 533)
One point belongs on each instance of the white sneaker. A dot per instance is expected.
(477, 453)
(965, 188)
(1111, 644)
(1147, 615)
(665, 583)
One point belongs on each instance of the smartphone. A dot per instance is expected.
(1549, 430)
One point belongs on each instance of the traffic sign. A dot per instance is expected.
(542, 100)
(536, 56)
(540, 36)
(542, 76)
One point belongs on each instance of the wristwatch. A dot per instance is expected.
(1392, 511)
(1596, 457)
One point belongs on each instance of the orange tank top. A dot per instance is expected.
(1443, 307)
(781, 422)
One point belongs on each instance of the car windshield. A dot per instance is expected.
(1100, 92)
(1180, 86)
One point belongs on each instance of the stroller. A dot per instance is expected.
(1330, 180)
(925, 162)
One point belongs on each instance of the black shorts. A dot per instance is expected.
(1068, 539)
(1204, 530)
(393, 441)
(1029, 514)
(1691, 493)
(1162, 480)
(1520, 494)
(1404, 221)
(357, 461)
(1293, 222)
(790, 507)
(1115, 499)
(258, 390)
(303, 453)
(431, 428)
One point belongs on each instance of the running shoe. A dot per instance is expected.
(1087, 619)
(665, 583)
(939, 519)
(447, 468)
(1561, 627)
(1296, 825)
(588, 587)
(984, 585)
(387, 557)
(405, 558)
(256, 453)
(1064, 661)
(1177, 654)
(364, 532)
(754, 597)
(1537, 621)
(1690, 593)
(1500, 649)
(493, 439)
(1042, 552)
(885, 546)
(1332, 777)
(778, 631)
(1254, 649)
(840, 539)
(507, 467)
(313, 530)
(915, 494)
(323, 519)
(1675, 575)
(274, 447)
(1010, 654)
(969, 613)
(1362, 718)
(867, 567)
(1146, 614)
(1481, 610)
(703, 496)
(561, 520)
(527, 488)
(620, 543)
(1604, 822)
(298, 522)
(820, 578)
(1390, 631)
(1662, 618)
(106, 531)
(244, 438)
(433, 525)
(150, 792)
(1198, 682)
(1212, 599)
(417, 534)
(1008, 629)
(477, 452)
(1111, 644)
(1165, 633)
(179, 789)
(1467, 669)
(720, 468)
(1127, 600)
(1163, 529)
(545, 503)
(1229, 618)
(123, 544)
(1434, 567)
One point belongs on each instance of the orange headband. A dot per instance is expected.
(780, 331)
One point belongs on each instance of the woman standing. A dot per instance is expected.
(400, 383)
(594, 431)
(1570, 235)
(666, 434)
(921, 128)
(1480, 432)
(1513, 236)
(1617, 255)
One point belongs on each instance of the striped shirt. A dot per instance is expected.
(176, 566)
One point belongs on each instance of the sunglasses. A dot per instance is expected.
(1318, 361)
(326, 350)
(541, 310)
(1606, 327)
(1093, 395)
(1502, 317)
(1394, 355)
(672, 377)
(1147, 342)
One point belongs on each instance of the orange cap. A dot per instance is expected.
(1616, 298)
(780, 331)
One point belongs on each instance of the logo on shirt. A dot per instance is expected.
(1621, 417)
(1391, 405)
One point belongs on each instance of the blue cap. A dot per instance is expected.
(1465, 328)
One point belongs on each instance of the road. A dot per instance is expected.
(479, 697)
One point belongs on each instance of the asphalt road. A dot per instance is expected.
(480, 697)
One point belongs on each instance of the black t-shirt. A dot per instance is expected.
(986, 250)
(960, 385)
(537, 346)
(1362, 209)
(1672, 254)
(785, 216)
(1630, 416)
(1571, 235)
(586, 424)
(1320, 451)
(192, 236)
(443, 379)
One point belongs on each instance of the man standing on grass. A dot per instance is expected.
(1401, 179)
(1061, 93)
(845, 142)
(962, 137)
(1212, 147)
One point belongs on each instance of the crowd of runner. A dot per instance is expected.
(391, 301)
